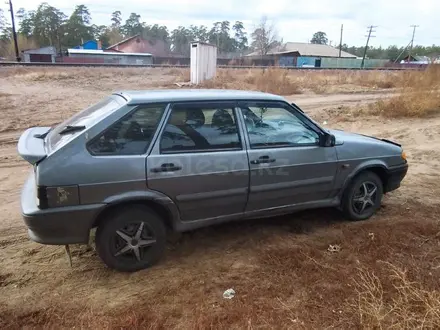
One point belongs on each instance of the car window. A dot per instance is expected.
(88, 117)
(274, 125)
(197, 128)
(131, 135)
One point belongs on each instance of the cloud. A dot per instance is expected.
(295, 21)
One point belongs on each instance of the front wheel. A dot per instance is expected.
(363, 197)
(131, 239)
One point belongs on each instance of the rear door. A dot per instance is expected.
(199, 161)
(287, 165)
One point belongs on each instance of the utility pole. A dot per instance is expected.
(340, 40)
(410, 44)
(412, 41)
(404, 49)
(371, 27)
(14, 33)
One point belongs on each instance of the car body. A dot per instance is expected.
(190, 159)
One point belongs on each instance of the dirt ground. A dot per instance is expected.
(283, 272)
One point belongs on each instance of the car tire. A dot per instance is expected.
(131, 239)
(363, 196)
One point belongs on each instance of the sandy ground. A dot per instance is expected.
(185, 289)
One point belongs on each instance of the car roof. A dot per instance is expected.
(177, 95)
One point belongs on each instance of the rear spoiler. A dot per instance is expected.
(31, 147)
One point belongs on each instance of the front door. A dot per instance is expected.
(287, 164)
(318, 63)
(199, 161)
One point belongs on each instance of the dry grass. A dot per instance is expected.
(276, 81)
(273, 80)
(323, 81)
(406, 305)
(288, 82)
(73, 73)
(411, 103)
(182, 74)
(282, 271)
(419, 97)
(4, 101)
(378, 79)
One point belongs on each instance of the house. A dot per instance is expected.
(98, 56)
(416, 59)
(44, 54)
(137, 44)
(303, 54)
(306, 50)
(299, 54)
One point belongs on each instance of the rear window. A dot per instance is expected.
(87, 118)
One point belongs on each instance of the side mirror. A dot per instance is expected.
(328, 140)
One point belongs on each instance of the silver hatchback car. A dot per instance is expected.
(141, 163)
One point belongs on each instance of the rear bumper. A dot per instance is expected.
(56, 226)
(395, 177)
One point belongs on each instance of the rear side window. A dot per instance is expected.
(193, 127)
(88, 117)
(131, 135)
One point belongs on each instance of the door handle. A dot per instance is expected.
(167, 167)
(263, 160)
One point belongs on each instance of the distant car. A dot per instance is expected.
(141, 163)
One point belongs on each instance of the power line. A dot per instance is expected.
(371, 27)
(14, 33)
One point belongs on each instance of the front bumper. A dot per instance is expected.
(56, 226)
(395, 177)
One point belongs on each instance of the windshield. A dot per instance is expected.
(87, 118)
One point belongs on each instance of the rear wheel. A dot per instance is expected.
(363, 197)
(131, 239)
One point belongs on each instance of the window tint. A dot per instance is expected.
(131, 135)
(87, 117)
(196, 128)
(274, 125)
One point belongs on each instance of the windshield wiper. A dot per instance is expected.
(71, 129)
(42, 136)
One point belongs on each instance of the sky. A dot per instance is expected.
(295, 21)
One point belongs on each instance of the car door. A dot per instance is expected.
(199, 161)
(117, 148)
(287, 164)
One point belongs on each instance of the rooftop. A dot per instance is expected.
(306, 49)
(124, 41)
(48, 48)
(178, 95)
(102, 52)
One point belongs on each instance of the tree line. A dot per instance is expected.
(49, 26)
